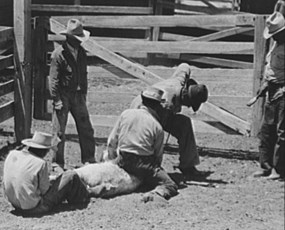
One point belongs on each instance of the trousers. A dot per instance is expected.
(68, 186)
(75, 103)
(147, 168)
(272, 136)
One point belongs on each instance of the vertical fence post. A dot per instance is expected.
(40, 36)
(260, 51)
(22, 31)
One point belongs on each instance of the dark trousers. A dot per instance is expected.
(74, 102)
(272, 136)
(147, 168)
(68, 186)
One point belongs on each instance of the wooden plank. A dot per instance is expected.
(6, 111)
(23, 47)
(6, 61)
(163, 21)
(6, 34)
(142, 46)
(216, 61)
(174, 37)
(223, 34)
(83, 9)
(109, 121)
(260, 50)
(6, 87)
(226, 118)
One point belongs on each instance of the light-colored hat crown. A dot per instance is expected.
(153, 93)
(274, 24)
(75, 28)
(39, 140)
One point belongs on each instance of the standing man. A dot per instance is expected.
(136, 143)
(68, 88)
(180, 90)
(26, 181)
(272, 132)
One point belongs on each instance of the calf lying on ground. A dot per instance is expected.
(107, 179)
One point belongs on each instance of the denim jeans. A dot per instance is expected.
(272, 136)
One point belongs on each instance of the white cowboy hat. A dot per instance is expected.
(274, 24)
(152, 93)
(40, 140)
(75, 28)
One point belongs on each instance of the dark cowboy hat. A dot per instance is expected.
(75, 28)
(197, 94)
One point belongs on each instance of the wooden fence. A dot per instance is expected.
(12, 84)
(231, 44)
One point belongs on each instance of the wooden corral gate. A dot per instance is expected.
(12, 87)
(218, 45)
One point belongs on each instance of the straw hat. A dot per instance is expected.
(39, 140)
(75, 28)
(153, 93)
(274, 24)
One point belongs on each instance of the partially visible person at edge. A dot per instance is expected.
(272, 133)
(181, 90)
(68, 88)
(136, 143)
(27, 184)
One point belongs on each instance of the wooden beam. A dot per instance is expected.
(6, 34)
(216, 61)
(23, 47)
(226, 118)
(6, 61)
(260, 50)
(6, 111)
(83, 9)
(163, 21)
(142, 46)
(7, 87)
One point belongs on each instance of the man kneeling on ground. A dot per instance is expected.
(136, 143)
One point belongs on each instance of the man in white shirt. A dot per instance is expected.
(137, 142)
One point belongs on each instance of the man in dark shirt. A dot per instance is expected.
(68, 88)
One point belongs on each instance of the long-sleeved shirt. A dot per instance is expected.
(137, 131)
(25, 179)
(67, 73)
(275, 68)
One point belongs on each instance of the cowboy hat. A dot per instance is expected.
(40, 140)
(75, 28)
(152, 93)
(275, 23)
(197, 94)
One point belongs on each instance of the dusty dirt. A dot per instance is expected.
(235, 200)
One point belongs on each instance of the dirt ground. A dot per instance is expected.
(234, 200)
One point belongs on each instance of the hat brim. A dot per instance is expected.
(267, 35)
(31, 143)
(84, 38)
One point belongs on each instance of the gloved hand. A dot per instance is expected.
(58, 105)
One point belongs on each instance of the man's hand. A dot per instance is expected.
(58, 105)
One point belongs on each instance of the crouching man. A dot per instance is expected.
(26, 179)
(136, 143)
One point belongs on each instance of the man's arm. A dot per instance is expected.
(112, 143)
